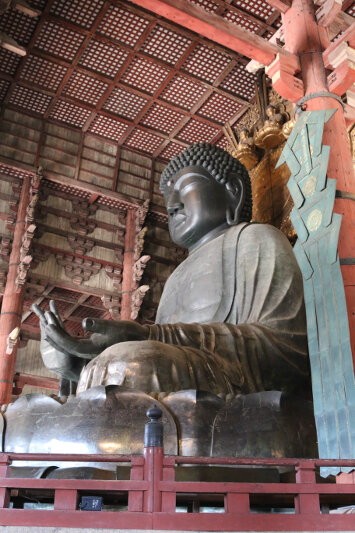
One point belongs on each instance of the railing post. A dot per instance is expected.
(306, 503)
(237, 503)
(153, 460)
(65, 499)
(135, 497)
(168, 499)
(5, 463)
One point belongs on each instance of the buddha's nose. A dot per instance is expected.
(173, 204)
(174, 208)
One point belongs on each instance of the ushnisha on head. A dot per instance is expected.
(205, 190)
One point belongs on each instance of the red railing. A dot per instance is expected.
(154, 496)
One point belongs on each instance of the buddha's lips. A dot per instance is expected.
(178, 219)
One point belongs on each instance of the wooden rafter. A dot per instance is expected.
(213, 27)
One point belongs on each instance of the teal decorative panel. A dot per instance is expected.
(316, 251)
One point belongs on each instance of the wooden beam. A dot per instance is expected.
(25, 8)
(67, 285)
(280, 5)
(125, 200)
(10, 44)
(213, 27)
(20, 380)
(12, 304)
(328, 12)
(128, 262)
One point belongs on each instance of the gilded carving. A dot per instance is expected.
(270, 134)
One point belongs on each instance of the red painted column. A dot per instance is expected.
(12, 303)
(306, 39)
(128, 262)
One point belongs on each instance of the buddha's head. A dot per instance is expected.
(205, 191)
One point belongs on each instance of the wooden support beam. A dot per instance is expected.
(213, 27)
(11, 310)
(21, 379)
(328, 12)
(10, 44)
(128, 262)
(40, 280)
(280, 5)
(24, 7)
(332, 51)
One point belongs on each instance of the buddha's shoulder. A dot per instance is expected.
(263, 234)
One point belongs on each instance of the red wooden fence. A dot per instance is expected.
(152, 493)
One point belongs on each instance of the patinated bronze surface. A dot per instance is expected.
(230, 323)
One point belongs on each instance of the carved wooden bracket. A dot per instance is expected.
(22, 271)
(122, 220)
(342, 59)
(13, 205)
(141, 214)
(119, 255)
(76, 268)
(139, 243)
(112, 304)
(3, 274)
(27, 240)
(115, 274)
(26, 255)
(5, 247)
(328, 12)
(282, 73)
(137, 299)
(80, 245)
(40, 255)
(12, 340)
(80, 220)
(138, 269)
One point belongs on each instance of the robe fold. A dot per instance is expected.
(231, 319)
(240, 297)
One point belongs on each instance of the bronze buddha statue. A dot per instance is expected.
(231, 317)
(226, 359)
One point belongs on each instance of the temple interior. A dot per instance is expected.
(96, 98)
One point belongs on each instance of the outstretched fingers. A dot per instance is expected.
(52, 320)
(40, 313)
(54, 310)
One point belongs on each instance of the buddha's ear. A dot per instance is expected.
(237, 193)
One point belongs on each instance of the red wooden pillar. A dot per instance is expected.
(128, 263)
(12, 303)
(307, 40)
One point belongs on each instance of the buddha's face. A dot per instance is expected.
(196, 205)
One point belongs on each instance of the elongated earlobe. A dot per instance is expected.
(233, 214)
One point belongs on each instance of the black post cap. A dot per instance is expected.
(153, 433)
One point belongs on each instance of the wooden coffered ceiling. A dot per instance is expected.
(116, 71)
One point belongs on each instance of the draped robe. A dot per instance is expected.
(231, 318)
